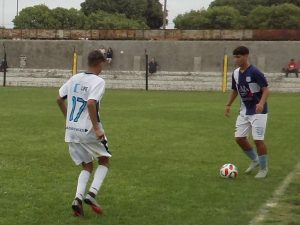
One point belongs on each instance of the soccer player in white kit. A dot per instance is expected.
(84, 132)
(252, 87)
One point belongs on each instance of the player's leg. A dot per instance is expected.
(80, 156)
(100, 174)
(83, 179)
(258, 133)
(99, 177)
(243, 128)
(101, 152)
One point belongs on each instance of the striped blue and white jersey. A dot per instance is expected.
(249, 85)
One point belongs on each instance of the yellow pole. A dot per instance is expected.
(74, 65)
(225, 70)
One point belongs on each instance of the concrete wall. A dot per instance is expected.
(187, 56)
(184, 81)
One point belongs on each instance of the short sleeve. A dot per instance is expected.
(233, 84)
(97, 90)
(260, 79)
(63, 91)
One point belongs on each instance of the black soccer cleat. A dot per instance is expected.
(77, 208)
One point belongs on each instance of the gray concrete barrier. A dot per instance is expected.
(163, 80)
(189, 56)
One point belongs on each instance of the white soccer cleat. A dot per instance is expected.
(262, 173)
(252, 166)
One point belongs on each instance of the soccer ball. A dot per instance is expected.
(229, 171)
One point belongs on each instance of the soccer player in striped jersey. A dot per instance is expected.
(252, 87)
(84, 132)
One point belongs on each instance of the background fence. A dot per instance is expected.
(278, 35)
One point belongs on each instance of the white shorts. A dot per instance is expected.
(253, 123)
(87, 152)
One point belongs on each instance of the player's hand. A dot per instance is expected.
(259, 108)
(99, 134)
(227, 110)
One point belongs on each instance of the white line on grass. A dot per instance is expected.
(271, 203)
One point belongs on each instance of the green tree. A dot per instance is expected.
(39, 17)
(285, 16)
(192, 20)
(92, 6)
(149, 11)
(223, 17)
(104, 20)
(243, 6)
(133, 9)
(279, 2)
(154, 14)
(265, 14)
(259, 18)
(68, 18)
(246, 6)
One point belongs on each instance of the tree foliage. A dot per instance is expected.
(38, 17)
(41, 17)
(285, 16)
(104, 20)
(154, 14)
(236, 14)
(246, 6)
(243, 6)
(223, 17)
(280, 2)
(149, 11)
(192, 20)
(92, 6)
(68, 18)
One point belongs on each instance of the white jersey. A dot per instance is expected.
(78, 90)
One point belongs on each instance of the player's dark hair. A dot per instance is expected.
(95, 57)
(241, 50)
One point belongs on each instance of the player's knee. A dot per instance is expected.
(240, 140)
(104, 161)
(88, 166)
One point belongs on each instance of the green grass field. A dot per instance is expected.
(287, 211)
(167, 150)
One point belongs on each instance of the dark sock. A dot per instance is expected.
(92, 194)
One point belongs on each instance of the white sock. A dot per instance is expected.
(99, 176)
(82, 182)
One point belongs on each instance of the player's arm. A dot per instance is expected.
(232, 97)
(92, 109)
(262, 82)
(62, 105)
(62, 96)
(263, 100)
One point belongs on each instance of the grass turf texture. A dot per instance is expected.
(287, 211)
(167, 151)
